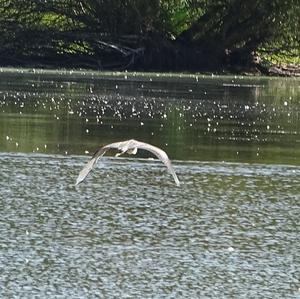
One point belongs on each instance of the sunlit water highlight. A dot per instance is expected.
(192, 118)
(231, 230)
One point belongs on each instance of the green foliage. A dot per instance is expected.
(98, 31)
(180, 14)
(290, 57)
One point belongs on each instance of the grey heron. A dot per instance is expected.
(130, 147)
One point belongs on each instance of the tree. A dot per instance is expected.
(232, 30)
(142, 34)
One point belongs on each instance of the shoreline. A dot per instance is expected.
(289, 71)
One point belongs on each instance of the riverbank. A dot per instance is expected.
(281, 70)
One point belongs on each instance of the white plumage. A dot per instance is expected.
(129, 146)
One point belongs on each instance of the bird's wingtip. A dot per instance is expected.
(78, 180)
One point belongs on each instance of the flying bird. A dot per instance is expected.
(130, 147)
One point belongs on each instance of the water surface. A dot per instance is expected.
(192, 117)
(231, 230)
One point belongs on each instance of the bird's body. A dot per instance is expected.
(129, 146)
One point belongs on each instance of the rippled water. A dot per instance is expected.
(231, 230)
(193, 118)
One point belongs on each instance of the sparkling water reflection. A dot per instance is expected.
(231, 230)
(192, 118)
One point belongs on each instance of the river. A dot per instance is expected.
(231, 230)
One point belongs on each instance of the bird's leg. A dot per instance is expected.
(119, 154)
(132, 151)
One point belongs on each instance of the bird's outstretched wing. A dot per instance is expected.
(160, 154)
(89, 166)
(97, 155)
(125, 146)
